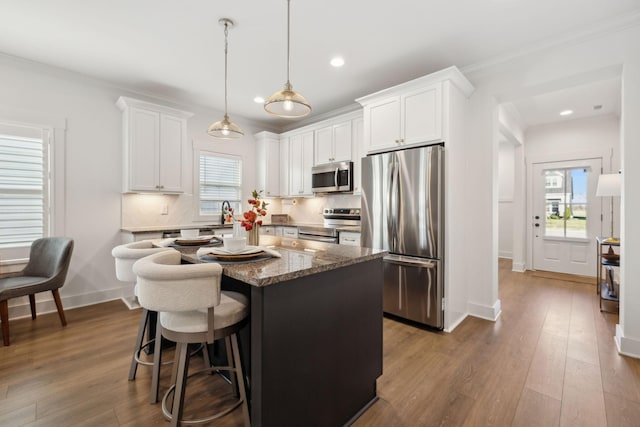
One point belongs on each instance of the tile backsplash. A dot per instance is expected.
(144, 210)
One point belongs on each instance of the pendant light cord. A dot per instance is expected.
(288, 44)
(226, 35)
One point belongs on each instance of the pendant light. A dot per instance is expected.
(286, 102)
(225, 129)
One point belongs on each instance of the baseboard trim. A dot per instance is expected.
(626, 346)
(45, 306)
(518, 267)
(486, 312)
(455, 323)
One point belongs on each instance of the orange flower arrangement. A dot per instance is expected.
(258, 209)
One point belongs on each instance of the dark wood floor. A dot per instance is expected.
(549, 360)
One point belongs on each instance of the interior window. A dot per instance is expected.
(220, 180)
(24, 188)
(566, 203)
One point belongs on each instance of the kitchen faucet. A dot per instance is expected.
(222, 215)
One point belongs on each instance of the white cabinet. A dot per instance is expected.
(284, 169)
(268, 163)
(333, 143)
(300, 163)
(267, 230)
(291, 232)
(154, 138)
(357, 150)
(406, 119)
(413, 113)
(349, 238)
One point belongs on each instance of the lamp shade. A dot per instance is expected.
(609, 185)
(287, 103)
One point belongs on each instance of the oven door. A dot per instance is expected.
(315, 238)
(318, 234)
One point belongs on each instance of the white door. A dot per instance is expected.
(566, 216)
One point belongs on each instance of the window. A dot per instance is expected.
(24, 188)
(566, 205)
(220, 180)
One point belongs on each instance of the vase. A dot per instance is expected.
(253, 236)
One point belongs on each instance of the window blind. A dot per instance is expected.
(22, 189)
(220, 180)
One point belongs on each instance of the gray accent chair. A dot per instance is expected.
(46, 270)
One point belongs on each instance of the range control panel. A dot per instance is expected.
(341, 213)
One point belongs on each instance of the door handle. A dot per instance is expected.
(536, 224)
(537, 217)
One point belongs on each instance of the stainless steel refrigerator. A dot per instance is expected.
(402, 212)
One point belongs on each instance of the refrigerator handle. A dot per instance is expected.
(389, 207)
(400, 260)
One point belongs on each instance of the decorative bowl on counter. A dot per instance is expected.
(234, 244)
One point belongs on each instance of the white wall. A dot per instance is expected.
(93, 168)
(542, 71)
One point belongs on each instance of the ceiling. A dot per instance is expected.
(173, 49)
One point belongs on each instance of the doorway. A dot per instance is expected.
(566, 216)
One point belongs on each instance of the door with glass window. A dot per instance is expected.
(566, 216)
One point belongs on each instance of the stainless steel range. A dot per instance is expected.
(334, 218)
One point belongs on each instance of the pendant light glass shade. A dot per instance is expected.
(225, 129)
(287, 103)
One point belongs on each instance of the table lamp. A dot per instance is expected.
(609, 186)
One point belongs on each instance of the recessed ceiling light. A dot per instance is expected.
(258, 100)
(566, 112)
(337, 62)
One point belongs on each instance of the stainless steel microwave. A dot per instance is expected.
(332, 178)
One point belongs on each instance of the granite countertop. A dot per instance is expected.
(299, 258)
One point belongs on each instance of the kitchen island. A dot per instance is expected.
(315, 331)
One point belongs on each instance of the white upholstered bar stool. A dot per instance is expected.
(192, 309)
(125, 256)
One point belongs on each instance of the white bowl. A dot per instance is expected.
(191, 233)
(234, 244)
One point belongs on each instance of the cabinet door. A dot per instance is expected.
(307, 163)
(272, 188)
(349, 238)
(296, 186)
(383, 124)
(422, 115)
(357, 150)
(323, 144)
(342, 142)
(143, 128)
(291, 232)
(268, 165)
(284, 169)
(172, 134)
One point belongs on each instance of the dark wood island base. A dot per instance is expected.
(316, 347)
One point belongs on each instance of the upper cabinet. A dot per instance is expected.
(268, 163)
(357, 151)
(284, 167)
(412, 113)
(300, 163)
(333, 143)
(154, 137)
